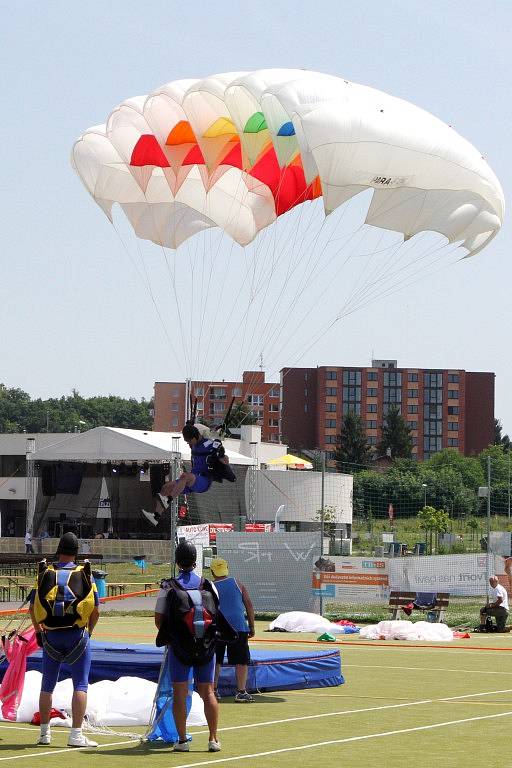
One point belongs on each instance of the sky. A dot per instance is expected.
(74, 310)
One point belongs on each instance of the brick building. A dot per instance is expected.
(448, 408)
(213, 400)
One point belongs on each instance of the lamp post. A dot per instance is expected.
(424, 486)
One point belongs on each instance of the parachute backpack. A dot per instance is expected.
(190, 623)
(64, 596)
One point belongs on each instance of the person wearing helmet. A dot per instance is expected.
(209, 463)
(179, 602)
(64, 612)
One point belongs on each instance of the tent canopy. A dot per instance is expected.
(103, 444)
(293, 462)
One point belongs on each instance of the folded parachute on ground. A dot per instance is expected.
(237, 150)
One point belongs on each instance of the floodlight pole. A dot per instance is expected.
(30, 484)
(322, 511)
(173, 507)
(488, 558)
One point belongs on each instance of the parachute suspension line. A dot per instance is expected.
(149, 289)
(172, 275)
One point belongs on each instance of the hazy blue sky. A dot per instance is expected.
(73, 312)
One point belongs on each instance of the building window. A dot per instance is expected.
(431, 444)
(392, 379)
(414, 440)
(218, 393)
(274, 392)
(174, 421)
(305, 407)
(453, 426)
(453, 442)
(199, 391)
(392, 395)
(433, 380)
(412, 409)
(352, 377)
(274, 438)
(331, 375)
(433, 411)
(412, 393)
(372, 376)
(413, 377)
(273, 408)
(237, 392)
(453, 394)
(371, 392)
(255, 399)
(353, 394)
(200, 405)
(352, 408)
(330, 455)
(331, 391)
(433, 427)
(371, 424)
(217, 408)
(174, 407)
(330, 439)
(412, 424)
(453, 378)
(453, 410)
(330, 407)
(371, 440)
(273, 422)
(175, 393)
(371, 408)
(387, 407)
(432, 395)
(330, 423)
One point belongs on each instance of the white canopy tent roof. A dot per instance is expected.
(103, 444)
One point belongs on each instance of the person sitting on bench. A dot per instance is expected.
(498, 608)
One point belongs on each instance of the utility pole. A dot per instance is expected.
(508, 454)
(322, 510)
(173, 507)
(488, 558)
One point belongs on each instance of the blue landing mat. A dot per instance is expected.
(268, 671)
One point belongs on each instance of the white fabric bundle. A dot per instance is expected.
(301, 621)
(407, 630)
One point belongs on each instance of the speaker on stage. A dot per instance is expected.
(49, 480)
(156, 477)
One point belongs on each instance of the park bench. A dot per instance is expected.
(399, 600)
(119, 588)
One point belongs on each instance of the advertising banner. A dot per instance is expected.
(460, 575)
(198, 534)
(351, 579)
(216, 527)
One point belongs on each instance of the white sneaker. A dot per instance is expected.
(81, 741)
(214, 746)
(44, 739)
(164, 500)
(151, 516)
(181, 746)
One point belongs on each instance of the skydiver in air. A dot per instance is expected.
(209, 464)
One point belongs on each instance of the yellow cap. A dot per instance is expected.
(219, 567)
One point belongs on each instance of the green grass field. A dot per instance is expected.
(400, 705)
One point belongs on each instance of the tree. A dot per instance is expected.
(396, 435)
(351, 444)
(499, 438)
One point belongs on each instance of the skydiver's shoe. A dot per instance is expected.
(164, 500)
(181, 746)
(152, 517)
(44, 740)
(79, 740)
(214, 746)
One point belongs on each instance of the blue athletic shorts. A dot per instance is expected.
(201, 485)
(64, 640)
(205, 673)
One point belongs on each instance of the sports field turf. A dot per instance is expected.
(401, 705)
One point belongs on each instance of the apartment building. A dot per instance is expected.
(445, 408)
(213, 400)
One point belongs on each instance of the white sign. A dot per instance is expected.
(104, 507)
(355, 579)
(197, 534)
(464, 575)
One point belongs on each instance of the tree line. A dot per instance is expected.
(20, 413)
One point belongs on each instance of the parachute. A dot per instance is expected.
(243, 151)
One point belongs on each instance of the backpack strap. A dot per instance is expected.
(197, 603)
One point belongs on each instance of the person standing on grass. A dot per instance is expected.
(185, 616)
(236, 607)
(64, 612)
(499, 606)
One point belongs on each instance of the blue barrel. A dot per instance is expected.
(100, 581)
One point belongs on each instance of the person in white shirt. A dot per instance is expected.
(498, 607)
(28, 543)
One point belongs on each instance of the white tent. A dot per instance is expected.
(103, 444)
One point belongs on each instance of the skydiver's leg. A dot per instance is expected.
(176, 487)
